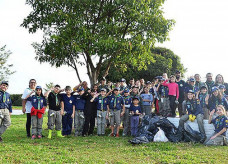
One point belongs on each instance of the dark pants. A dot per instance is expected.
(180, 110)
(28, 124)
(67, 121)
(172, 105)
(134, 125)
(89, 124)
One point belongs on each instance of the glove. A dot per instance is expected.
(192, 117)
(176, 101)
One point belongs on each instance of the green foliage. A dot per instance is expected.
(16, 99)
(17, 148)
(49, 86)
(90, 32)
(165, 61)
(5, 71)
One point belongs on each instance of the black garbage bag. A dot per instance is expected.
(171, 132)
(191, 135)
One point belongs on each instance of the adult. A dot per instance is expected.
(27, 105)
(209, 82)
(131, 83)
(198, 82)
(103, 85)
(219, 80)
(181, 84)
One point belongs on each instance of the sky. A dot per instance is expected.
(199, 37)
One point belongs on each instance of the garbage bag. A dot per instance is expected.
(191, 135)
(160, 136)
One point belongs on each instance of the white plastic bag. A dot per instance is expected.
(160, 136)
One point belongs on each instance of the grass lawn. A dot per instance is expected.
(17, 148)
(17, 107)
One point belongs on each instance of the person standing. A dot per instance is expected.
(181, 85)
(5, 108)
(209, 82)
(27, 105)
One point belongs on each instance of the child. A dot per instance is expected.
(173, 93)
(147, 101)
(54, 112)
(202, 98)
(222, 89)
(135, 111)
(215, 99)
(192, 106)
(102, 110)
(67, 111)
(5, 108)
(126, 118)
(164, 106)
(39, 105)
(78, 107)
(221, 125)
(116, 104)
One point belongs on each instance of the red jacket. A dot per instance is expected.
(37, 112)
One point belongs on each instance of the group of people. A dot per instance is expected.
(111, 104)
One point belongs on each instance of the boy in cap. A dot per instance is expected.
(191, 86)
(126, 118)
(102, 110)
(5, 108)
(54, 112)
(135, 111)
(78, 107)
(116, 104)
(222, 89)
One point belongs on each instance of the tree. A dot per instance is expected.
(90, 32)
(165, 62)
(5, 71)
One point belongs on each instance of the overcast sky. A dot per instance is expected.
(199, 37)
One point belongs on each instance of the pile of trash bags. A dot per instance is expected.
(151, 124)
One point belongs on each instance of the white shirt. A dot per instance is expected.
(28, 105)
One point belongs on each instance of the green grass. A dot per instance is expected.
(17, 148)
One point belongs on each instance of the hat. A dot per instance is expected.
(214, 89)
(191, 91)
(122, 80)
(148, 82)
(38, 87)
(117, 89)
(80, 89)
(203, 87)
(103, 89)
(5, 82)
(135, 97)
(163, 79)
(159, 77)
(192, 80)
(177, 71)
(222, 87)
(135, 86)
(126, 90)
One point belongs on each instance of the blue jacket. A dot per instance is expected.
(193, 107)
(127, 101)
(220, 122)
(79, 102)
(68, 103)
(190, 87)
(202, 100)
(102, 102)
(8, 103)
(134, 108)
(116, 102)
(163, 91)
(36, 100)
(213, 102)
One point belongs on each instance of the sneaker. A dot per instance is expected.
(39, 136)
(111, 135)
(1, 139)
(33, 137)
(117, 135)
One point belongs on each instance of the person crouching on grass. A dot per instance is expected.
(67, 111)
(102, 110)
(135, 111)
(78, 107)
(5, 108)
(221, 125)
(39, 105)
(54, 112)
(116, 104)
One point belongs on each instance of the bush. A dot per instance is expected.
(16, 99)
